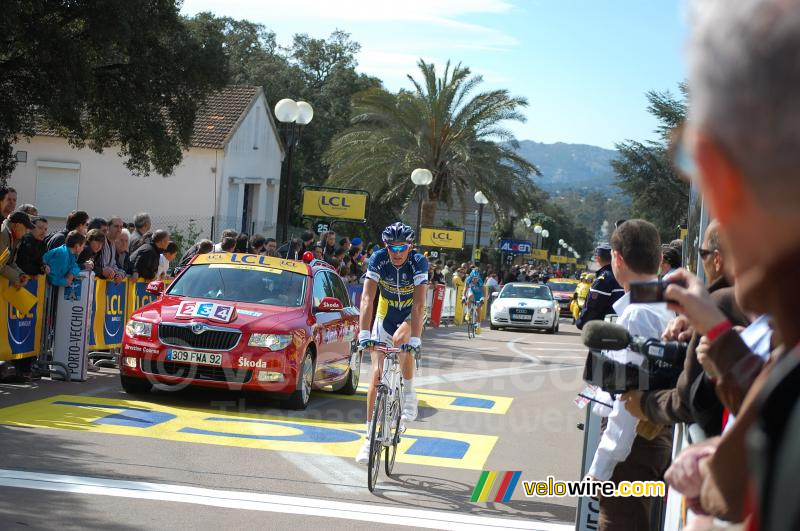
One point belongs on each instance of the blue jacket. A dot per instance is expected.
(477, 288)
(61, 262)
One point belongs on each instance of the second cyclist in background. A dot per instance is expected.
(473, 295)
(400, 275)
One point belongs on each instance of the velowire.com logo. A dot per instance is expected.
(495, 486)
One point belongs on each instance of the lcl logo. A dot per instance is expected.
(441, 236)
(334, 201)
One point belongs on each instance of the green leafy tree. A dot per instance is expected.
(440, 125)
(645, 173)
(105, 73)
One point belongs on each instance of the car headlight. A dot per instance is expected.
(270, 341)
(138, 329)
(544, 310)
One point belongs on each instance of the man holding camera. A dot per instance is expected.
(693, 398)
(624, 455)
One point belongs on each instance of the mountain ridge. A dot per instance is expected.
(567, 166)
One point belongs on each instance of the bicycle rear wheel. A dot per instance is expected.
(376, 438)
(394, 423)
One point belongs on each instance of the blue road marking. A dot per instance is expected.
(437, 447)
(466, 401)
(128, 416)
(308, 433)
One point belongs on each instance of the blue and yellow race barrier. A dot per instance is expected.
(138, 296)
(24, 326)
(113, 304)
(108, 314)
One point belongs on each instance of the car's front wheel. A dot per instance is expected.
(135, 386)
(305, 379)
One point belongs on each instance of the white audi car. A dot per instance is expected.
(525, 305)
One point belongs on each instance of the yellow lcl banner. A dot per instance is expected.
(21, 336)
(538, 254)
(333, 204)
(554, 258)
(436, 237)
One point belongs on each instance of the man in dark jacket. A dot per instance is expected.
(605, 290)
(32, 249)
(146, 257)
(201, 247)
(76, 220)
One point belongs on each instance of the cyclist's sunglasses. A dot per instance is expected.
(399, 248)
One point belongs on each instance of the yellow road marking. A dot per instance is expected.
(246, 430)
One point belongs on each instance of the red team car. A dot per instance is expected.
(250, 322)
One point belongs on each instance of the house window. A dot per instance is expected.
(57, 188)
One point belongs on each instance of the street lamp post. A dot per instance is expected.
(538, 230)
(481, 200)
(294, 116)
(420, 177)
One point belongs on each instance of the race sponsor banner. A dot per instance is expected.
(588, 513)
(72, 323)
(438, 304)
(24, 330)
(554, 258)
(538, 254)
(442, 238)
(137, 296)
(333, 203)
(251, 260)
(516, 246)
(572, 260)
(107, 317)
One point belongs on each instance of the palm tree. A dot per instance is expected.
(440, 126)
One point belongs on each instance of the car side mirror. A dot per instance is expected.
(495, 295)
(156, 287)
(330, 304)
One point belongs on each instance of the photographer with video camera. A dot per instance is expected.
(623, 454)
(693, 399)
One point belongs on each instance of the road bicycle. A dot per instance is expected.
(385, 428)
(472, 319)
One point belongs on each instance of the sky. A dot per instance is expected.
(583, 65)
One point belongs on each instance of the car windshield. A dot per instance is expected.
(561, 286)
(526, 292)
(241, 284)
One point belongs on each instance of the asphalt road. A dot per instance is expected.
(85, 455)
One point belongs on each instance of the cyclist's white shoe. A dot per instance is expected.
(362, 457)
(409, 405)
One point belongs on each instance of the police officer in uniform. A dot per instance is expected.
(604, 291)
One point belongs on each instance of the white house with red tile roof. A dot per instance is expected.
(231, 172)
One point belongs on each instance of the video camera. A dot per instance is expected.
(662, 365)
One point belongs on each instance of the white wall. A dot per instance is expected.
(252, 156)
(107, 187)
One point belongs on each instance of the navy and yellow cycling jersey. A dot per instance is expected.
(396, 284)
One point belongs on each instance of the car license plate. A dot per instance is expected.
(521, 315)
(187, 356)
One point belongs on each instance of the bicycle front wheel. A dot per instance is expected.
(376, 438)
(394, 423)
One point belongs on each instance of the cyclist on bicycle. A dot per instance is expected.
(473, 291)
(400, 275)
